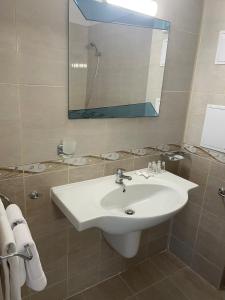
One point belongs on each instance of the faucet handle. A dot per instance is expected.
(120, 171)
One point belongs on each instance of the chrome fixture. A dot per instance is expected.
(34, 195)
(92, 45)
(174, 156)
(26, 255)
(98, 54)
(60, 151)
(130, 212)
(120, 177)
(221, 192)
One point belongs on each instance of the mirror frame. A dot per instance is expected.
(100, 11)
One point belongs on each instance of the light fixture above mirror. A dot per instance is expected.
(147, 7)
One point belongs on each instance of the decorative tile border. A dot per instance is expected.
(74, 162)
(77, 162)
(203, 152)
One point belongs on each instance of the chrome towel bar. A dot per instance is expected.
(27, 255)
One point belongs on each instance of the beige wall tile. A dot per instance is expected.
(42, 23)
(10, 137)
(7, 25)
(52, 248)
(14, 189)
(42, 184)
(10, 128)
(33, 54)
(85, 173)
(185, 224)
(41, 65)
(111, 167)
(43, 208)
(90, 135)
(208, 82)
(43, 112)
(41, 59)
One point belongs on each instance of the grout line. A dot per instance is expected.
(201, 212)
(127, 285)
(161, 280)
(92, 286)
(170, 233)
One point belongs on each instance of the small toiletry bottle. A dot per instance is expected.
(159, 167)
(163, 166)
(154, 167)
(149, 170)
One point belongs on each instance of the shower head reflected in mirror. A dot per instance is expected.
(92, 45)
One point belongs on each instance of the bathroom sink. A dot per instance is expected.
(122, 215)
(141, 197)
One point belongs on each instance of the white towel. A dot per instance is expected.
(1, 290)
(14, 215)
(36, 279)
(12, 286)
(2, 209)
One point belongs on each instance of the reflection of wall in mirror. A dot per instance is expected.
(156, 67)
(123, 70)
(78, 65)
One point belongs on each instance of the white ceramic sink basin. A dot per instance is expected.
(101, 203)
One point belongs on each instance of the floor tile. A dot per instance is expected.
(112, 289)
(77, 297)
(167, 263)
(141, 276)
(194, 287)
(163, 290)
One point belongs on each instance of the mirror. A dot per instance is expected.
(116, 61)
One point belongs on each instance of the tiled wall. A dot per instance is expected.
(33, 84)
(33, 120)
(75, 261)
(198, 232)
(208, 82)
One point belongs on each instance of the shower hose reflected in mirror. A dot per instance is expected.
(98, 54)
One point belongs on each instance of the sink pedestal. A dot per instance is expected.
(126, 244)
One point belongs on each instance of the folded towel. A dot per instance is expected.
(144, 173)
(12, 288)
(14, 215)
(35, 277)
(2, 209)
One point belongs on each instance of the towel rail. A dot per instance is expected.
(6, 201)
(27, 255)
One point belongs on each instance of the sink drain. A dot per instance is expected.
(130, 212)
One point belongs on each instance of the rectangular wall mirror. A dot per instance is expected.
(116, 61)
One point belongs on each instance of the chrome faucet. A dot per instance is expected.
(120, 177)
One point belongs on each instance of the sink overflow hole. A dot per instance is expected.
(130, 212)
